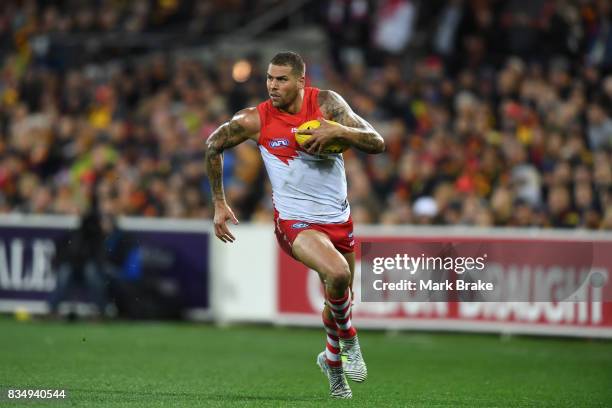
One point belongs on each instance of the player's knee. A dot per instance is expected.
(339, 276)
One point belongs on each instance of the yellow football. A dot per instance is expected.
(313, 124)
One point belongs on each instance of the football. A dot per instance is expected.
(313, 124)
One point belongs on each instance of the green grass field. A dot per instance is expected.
(189, 365)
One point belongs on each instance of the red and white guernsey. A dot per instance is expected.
(305, 187)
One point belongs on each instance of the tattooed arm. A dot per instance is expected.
(243, 126)
(354, 130)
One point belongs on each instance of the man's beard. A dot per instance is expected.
(284, 103)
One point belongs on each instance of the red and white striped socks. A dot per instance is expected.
(332, 349)
(341, 310)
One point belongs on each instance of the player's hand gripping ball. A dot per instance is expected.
(313, 124)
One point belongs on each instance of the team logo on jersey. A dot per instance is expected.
(299, 225)
(276, 143)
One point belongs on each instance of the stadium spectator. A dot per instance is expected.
(81, 263)
(394, 25)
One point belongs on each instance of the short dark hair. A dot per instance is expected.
(290, 59)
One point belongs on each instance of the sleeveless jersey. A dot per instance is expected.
(305, 187)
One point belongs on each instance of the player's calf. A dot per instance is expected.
(341, 310)
(354, 364)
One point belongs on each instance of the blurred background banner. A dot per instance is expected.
(173, 275)
(175, 257)
(26, 253)
(585, 313)
(164, 275)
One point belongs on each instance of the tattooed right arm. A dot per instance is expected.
(357, 131)
(244, 125)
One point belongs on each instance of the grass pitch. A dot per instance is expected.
(187, 365)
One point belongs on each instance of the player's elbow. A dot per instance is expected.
(379, 145)
(213, 147)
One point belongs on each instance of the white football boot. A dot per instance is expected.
(338, 387)
(352, 360)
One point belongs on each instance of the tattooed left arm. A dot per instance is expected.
(354, 130)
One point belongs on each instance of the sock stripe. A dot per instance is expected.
(344, 314)
(335, 350)
(341, 310)
(344, 327)
(332, 344)
(348, 333)
(339, 306)
(333, 360)
(335, 343)
(330, 327)
(340, 299)
(332, 332)
(342, 320)
(331, 323)
(340, 302)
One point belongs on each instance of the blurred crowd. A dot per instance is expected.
(494, 113)
(63, 34)
(26, 18)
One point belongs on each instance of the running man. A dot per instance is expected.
(312, 215)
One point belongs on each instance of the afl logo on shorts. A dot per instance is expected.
(299, 225)
(276, 143)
